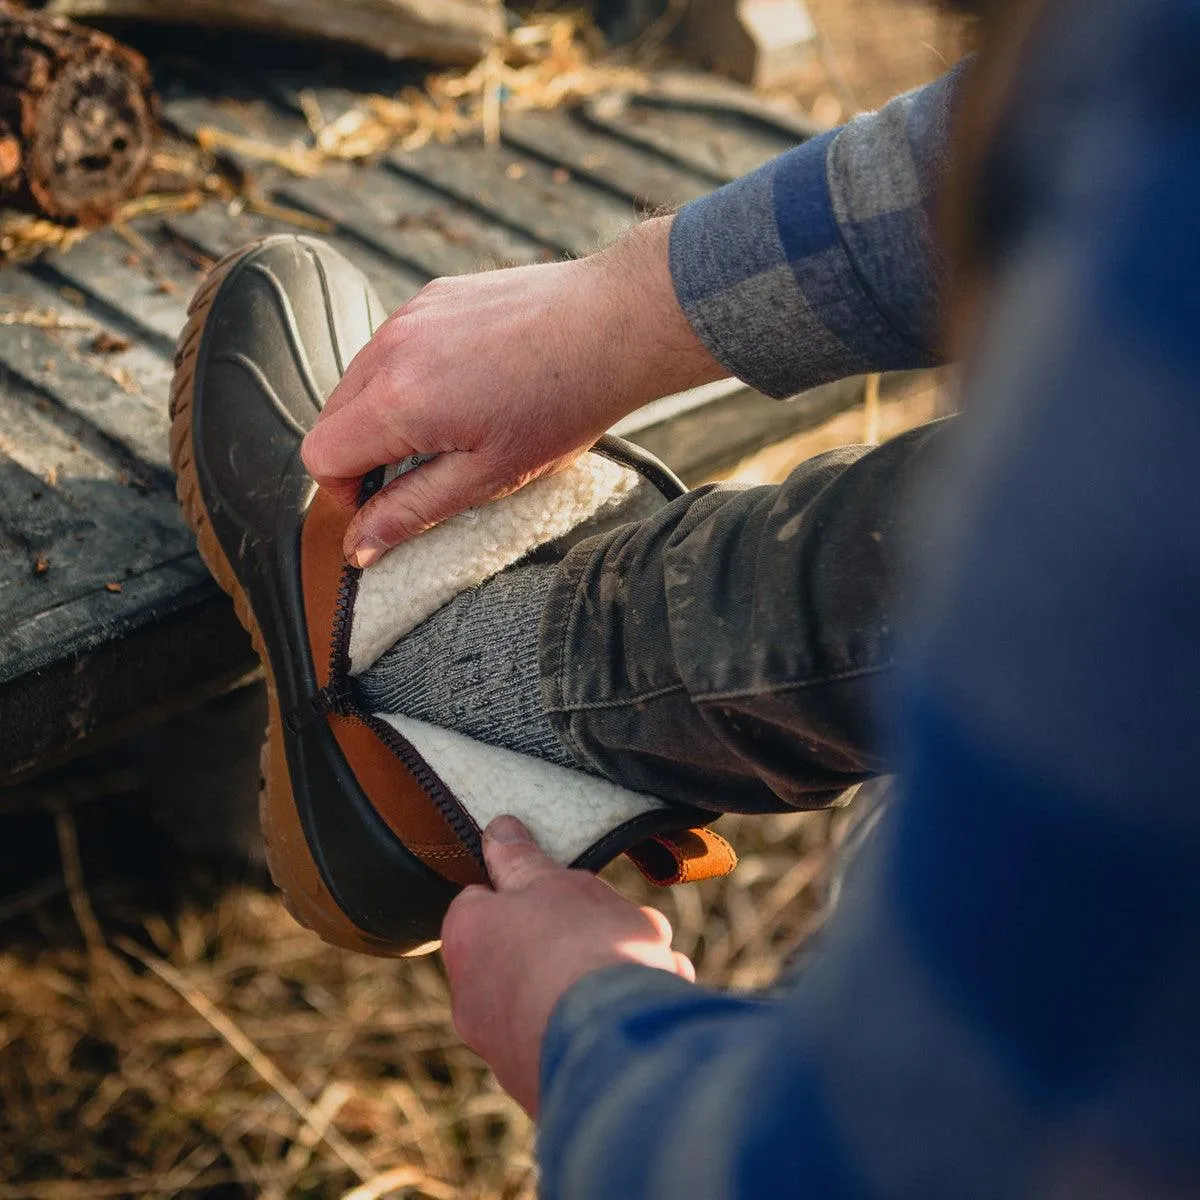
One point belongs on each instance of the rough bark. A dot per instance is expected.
(450, 31)
(77, 118)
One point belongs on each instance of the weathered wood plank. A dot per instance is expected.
(412, 224)
(143, 368)
(130, 421)
(84, 611)
(124, 535)
(31, 512)
(720, 147)
(179, 647)
(641, 176)
(527, 195)
(248, 116)
(422, 229)
(148, 296)
(216, 231)
(53, 445)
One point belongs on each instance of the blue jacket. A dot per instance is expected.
(1006, 1002)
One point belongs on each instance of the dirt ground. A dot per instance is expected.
(166, 1030)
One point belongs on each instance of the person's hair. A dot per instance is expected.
(970, 230)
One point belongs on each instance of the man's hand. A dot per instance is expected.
(507, 375)
(514, 951)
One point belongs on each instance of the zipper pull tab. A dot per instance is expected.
(375, 481)
(330, 700)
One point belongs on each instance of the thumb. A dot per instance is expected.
(514, 859)
(416, 501)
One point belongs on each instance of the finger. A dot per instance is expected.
(662, 927)
(359, 437)
(390, 338)
(387, 340)
(514, 859)
(362, 366)
(471, 894)
(684, 967)
(415, 502)
(460, 922)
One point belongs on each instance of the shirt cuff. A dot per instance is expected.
(762, 271)
(595, 1003)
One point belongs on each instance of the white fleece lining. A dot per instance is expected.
(410, 583)
(567, 811)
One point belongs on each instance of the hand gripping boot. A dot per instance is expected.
(373, 821)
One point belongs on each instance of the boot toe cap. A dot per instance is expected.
(277, 336)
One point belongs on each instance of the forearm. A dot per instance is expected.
(733, 649)
(645, 339)
(825, 263)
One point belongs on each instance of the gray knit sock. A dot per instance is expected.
(473, 667)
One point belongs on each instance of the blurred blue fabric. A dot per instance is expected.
(1006, 1000)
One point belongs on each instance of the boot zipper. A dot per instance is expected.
(339, 696)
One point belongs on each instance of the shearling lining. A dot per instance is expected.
(410, 583)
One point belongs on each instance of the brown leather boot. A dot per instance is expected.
(372, 821)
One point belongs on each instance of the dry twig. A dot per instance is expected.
(257, 1060)
(44, 318)
(402, 1179)
(871, 410)
(81, 906)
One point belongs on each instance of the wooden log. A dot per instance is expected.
(446, 31)
(77, 118)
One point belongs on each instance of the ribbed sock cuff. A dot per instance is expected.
(473, 667)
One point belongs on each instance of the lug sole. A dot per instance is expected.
(292, 866)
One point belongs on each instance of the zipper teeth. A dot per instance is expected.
(339, 655)
(459, 823)
(343, 702)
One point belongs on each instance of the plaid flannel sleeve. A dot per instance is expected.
(823, 263)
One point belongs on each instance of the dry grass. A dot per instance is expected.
(166, 1032)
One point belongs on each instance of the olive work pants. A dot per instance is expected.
(735, 650)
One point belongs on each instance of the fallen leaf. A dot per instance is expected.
(109, 343)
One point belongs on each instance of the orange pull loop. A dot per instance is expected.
(683, 856)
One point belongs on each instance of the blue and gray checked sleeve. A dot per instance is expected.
(824, 263)
(1004, 1003)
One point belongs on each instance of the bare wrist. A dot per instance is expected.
(658, 351)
